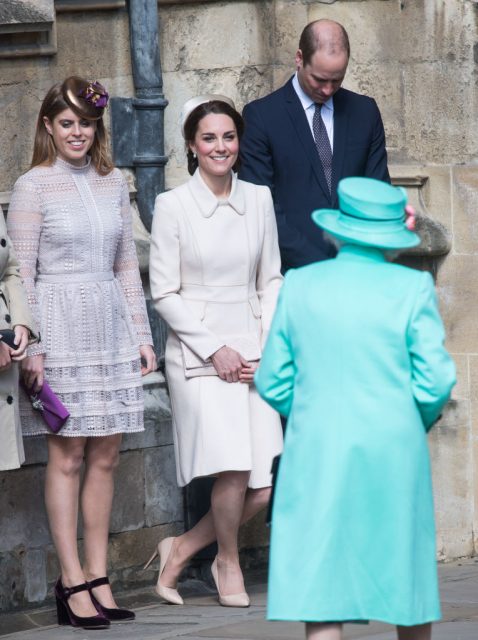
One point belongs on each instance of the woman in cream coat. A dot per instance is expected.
(215, 277)
(14, 314)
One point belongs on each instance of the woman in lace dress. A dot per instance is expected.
(71, 226)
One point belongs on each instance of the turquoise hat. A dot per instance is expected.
(370, 213)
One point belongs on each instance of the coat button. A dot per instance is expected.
(7, 317)
(9, 399)
(3, 242)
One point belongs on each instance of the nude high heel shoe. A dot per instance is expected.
(166, 593)
(232, 600)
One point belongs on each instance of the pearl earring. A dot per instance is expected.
(194, 155)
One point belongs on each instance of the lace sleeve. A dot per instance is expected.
(127, 271)
(24, 224)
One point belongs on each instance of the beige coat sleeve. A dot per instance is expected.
(165, 280)
(14, 292)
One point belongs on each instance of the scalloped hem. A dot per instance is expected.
(67, 434)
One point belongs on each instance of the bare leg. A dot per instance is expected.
(323, 631)
(418, 632)
(102, 457)
(227, 506)
(204, 533)
(62, 486)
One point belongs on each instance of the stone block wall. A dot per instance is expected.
(418, 59)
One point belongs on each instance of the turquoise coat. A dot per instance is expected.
(355, 360)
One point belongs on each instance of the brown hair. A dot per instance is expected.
(192, 123)
(310, 42)
(56, 101)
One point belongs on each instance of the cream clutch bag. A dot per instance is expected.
(247, 344)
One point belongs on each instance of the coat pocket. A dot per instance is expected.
(255, 306)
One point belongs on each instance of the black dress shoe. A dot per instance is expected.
(66, 616)
(114, 615)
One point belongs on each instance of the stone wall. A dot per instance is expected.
(417, 58)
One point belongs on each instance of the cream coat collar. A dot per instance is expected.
(208, 202)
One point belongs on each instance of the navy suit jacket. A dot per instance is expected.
(278, 150)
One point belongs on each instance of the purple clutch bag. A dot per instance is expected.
(53, 411)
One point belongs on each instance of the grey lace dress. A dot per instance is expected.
(72, 231)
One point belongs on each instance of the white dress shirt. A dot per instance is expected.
(308, 104)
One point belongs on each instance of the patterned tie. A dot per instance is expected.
(322, 143)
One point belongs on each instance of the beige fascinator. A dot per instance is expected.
(192, 103)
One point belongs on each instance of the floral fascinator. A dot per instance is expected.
(87, 99)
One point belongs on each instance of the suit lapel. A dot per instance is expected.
(304, 134)
(340, 136)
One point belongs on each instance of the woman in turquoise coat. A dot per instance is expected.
(355, 360)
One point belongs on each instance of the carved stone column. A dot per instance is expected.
(435, 238)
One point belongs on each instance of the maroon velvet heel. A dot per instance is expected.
(114, 615)
(67, 617)
(61, 613)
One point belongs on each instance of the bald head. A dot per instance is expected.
(325, 36)
(322, 59)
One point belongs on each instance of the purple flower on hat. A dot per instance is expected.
(95, 94)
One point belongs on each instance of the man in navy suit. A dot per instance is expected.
(303, 138)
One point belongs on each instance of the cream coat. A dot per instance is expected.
(215, 272)
(14, 310)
